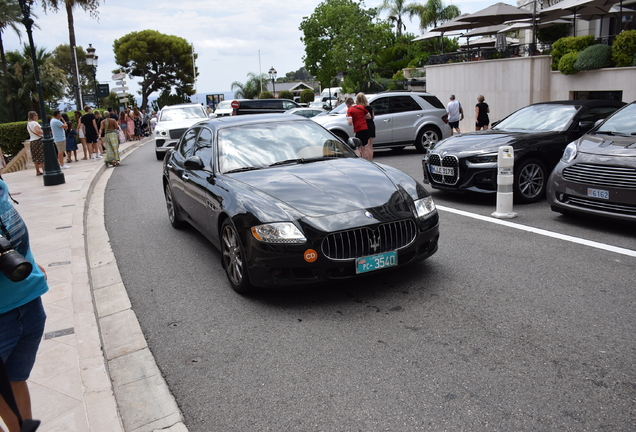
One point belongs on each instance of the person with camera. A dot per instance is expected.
(22, 316)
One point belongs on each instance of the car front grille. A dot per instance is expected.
(626, 209)
(446, 161)
(177, 133)
(601, 175)
(361, 242)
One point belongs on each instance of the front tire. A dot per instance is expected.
(171, 206)
(234, 259)
(427, 138)
(530, 181)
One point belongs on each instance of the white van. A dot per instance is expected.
(332, 91)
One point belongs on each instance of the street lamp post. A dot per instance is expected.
(91, 60)
(272, 75)
(52, 173)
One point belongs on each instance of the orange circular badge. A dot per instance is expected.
(311, 255)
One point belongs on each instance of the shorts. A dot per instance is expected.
(454, 125)
(123, 126)
(363, 135)
(61, 146)
(477, 124)
(80, 133)
(21, 331)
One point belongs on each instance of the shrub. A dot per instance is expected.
(11, 137)
(566, 64)
(266, 95)
(568, 45)
(286, 94)
(624, 49)
(594, 57)
(306, 96)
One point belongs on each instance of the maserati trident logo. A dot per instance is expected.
(374, 242)
(368, 214)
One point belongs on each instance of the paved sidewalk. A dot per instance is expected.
(94, 371)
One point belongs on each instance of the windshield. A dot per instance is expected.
(340, 109)
(185, 113)
(261, 145)
(623, 122)
(224, 105)
(539, 118)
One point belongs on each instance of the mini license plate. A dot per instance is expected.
(376, 262)
(445, 171)
(598, 193)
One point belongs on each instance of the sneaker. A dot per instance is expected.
(65, 166)
(99, 156)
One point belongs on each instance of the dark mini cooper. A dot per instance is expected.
(597, 173)
(288, 203)
(538, 133)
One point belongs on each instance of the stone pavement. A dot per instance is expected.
(94, 371)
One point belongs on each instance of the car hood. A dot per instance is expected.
(331, 119)
(608, 145)
(178, 124)
(486, 142)
(327, 188)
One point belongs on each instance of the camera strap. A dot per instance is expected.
(6, 390)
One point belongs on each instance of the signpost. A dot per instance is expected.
(120, 81)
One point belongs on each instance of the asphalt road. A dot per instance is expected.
(501, 330)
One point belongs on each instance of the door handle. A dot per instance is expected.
(387, 120)
(185, 177)
(169, 165)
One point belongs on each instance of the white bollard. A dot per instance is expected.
(505, 180)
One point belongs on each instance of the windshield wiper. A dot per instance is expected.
(302, 160)
(242, 169)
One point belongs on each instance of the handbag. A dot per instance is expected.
(27, 425)
(122, 136)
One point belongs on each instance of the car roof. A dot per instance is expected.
(181, 106)
(589, 103)
(249, 119)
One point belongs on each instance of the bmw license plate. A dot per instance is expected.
(376, 262)
(445, 171)
(598, 193)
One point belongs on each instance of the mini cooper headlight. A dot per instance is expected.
(424, 207)
(280, 232)
(569, 153)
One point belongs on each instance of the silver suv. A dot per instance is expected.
(172, 122)
(402, 118)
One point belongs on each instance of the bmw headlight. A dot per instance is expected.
(569, 153)
(424, 207)
(280, 232)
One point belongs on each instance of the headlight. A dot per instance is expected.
(281, 232)
(569, 153)
(484, 158)
(161, 132)
(424, 207)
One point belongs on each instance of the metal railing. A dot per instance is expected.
(480, 53)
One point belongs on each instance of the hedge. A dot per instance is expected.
(11, 137)
(594, 57)
(286, 94)
(566, 64)
(624, 49)
(567, 45)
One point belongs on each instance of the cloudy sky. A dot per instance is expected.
(227, 35)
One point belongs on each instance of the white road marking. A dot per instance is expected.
(540, 231)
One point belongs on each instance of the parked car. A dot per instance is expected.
(597, 173)
(224, 108)
(306, 112)
(538, 134)
(401, 119)
(288, 203)
(172, 122)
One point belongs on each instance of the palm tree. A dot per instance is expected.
(10, 16)
(398, 8)
(89, 6)
(434, 13)
(252, 88)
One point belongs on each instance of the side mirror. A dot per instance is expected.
(585, 126)
(194, 163)
(354, 143)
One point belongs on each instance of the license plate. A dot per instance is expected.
(376, 262)
(445, 171)
(598, 193)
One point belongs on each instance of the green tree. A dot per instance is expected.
(286, 94)
(396, 9)
(63, 59)
(252, 87)
(266, 95)
(23, 91)
(89, 6)
(341, 37)
(167, 99)
(434, 13)
(164, 62)
(306, 96)
(10, 16)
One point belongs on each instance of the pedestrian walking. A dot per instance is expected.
(37, 148)
(130, 125)
(22, 315)
(455, 114)
(110, 128)
(137, 121)
(58, 129)
(481, 114)
(79, 127)
(123, 125)
(361, 99)
(90, 131)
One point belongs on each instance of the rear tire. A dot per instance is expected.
(530, 181)
(233, 258)
(172, 207)
(427, 138)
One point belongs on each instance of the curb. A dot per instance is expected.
(111, 341)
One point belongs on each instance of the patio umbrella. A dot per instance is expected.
(432, 34)
(452, 25)
(490, 30)
(496, 14)
(569, 7)
(489, 41)
(529, 24)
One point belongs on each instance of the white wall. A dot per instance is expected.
(509, 84)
